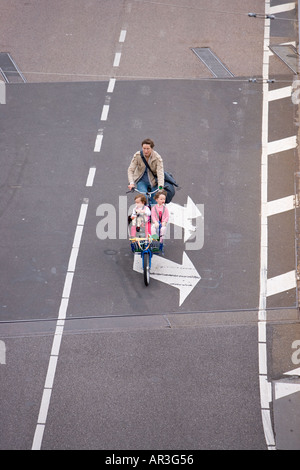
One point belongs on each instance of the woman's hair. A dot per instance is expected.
(148, 142)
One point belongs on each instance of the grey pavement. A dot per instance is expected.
(136, 370)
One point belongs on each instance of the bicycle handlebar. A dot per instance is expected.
(149, 193)
(139, 240)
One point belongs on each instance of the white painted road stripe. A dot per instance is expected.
(91, 176)
(293, 372)
(282, 144)
(117, 59)
(122, 35)
(282, 8)
(280, 205)
(281, 283)
(51, 372)
(262, 350)
(44, 406)
(56, 342)
(98, 143)
(262, 336)
(266, 391)
(48, 386)
(73, 259)
(38, 437)
(267, 424)
(63, 309)
(45, 402)
(68, 285)
(77, 236)
(280, 93)
(284, 389)
(111, 85)
(82, 213)
(104, 112)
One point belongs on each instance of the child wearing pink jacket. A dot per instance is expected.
(159, 212)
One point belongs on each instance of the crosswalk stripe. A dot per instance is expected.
(281, 145)
(281, 283)
(280, 205)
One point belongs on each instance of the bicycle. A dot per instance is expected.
(148, 245)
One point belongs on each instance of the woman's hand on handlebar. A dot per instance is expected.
(132, 188)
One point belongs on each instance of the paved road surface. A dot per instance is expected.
(136, 368)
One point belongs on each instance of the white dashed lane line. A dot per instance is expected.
(98, 142)
(48, 386)
(104, 112)
(91, 175)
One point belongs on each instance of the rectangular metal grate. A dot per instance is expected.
(9, 69)
(288, 54)
(212, 62)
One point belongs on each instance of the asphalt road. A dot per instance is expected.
(137, 369)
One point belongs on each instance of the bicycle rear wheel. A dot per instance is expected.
(146, 266)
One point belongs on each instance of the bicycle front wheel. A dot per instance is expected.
(146, 269)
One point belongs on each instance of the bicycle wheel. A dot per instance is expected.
(146, 265)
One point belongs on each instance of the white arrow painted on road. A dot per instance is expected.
(182, 276)
(284, 389)
(182, 216)
(293, 372)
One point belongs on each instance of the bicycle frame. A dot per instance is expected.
(144, 245)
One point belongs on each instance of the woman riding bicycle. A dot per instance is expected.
(140, 175)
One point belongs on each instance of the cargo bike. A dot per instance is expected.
(146, 245)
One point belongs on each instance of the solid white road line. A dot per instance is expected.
(57, 339)
(73, 259)
(38, 437)
(63, 309)
(268, 428)
(51, 371)
(48, 386)
(262, 336)
(44, 406)
(266, 391)
(77, 236)
(68, 285)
